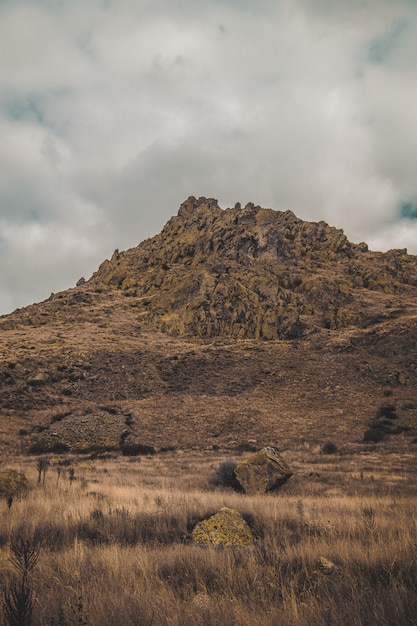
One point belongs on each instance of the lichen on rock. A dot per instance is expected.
(226, 528)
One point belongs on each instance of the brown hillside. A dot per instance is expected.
(239, 326)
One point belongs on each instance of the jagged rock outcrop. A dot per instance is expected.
(263, 471)
(250, 273)
(226, 528)
(239, 273)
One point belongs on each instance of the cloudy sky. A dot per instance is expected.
(112, 112)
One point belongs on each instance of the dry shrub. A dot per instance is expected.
(136, 449)
(330, 448)
(224, 476)
(12, 483)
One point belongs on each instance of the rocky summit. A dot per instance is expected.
(238, 327)
(253, 273)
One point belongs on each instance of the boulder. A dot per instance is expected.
(325, 566)
(38, 379)
(263, 471)
(226, 528)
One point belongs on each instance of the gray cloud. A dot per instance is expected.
(114, 111)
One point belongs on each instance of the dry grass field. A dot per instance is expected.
(112, 537)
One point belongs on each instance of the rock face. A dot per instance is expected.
(242, 273)
(250, 273)
(263, 471)
(226, 528)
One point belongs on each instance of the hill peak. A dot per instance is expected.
(251, 272)
(244, 273)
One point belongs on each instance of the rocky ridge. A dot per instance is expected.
(253, 273)
(243, 273)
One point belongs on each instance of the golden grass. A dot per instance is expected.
(116, 548)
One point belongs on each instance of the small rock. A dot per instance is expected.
(39, 379)
(325, 566)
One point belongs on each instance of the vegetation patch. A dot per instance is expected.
(12, 483)
(390, 421)
(224, 476)
(136, 449)
(329, 448)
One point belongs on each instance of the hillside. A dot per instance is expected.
(244, 326)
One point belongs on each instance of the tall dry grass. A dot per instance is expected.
(115, 549)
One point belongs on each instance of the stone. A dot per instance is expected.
(263, 471)
(226, 528)
(325, 566)
(38, 379)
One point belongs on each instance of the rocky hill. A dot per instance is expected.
(239, 326)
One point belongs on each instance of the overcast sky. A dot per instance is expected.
(112, 112)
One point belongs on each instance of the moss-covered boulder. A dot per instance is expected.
(12, 483)
(226, 528)
(263, 471)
